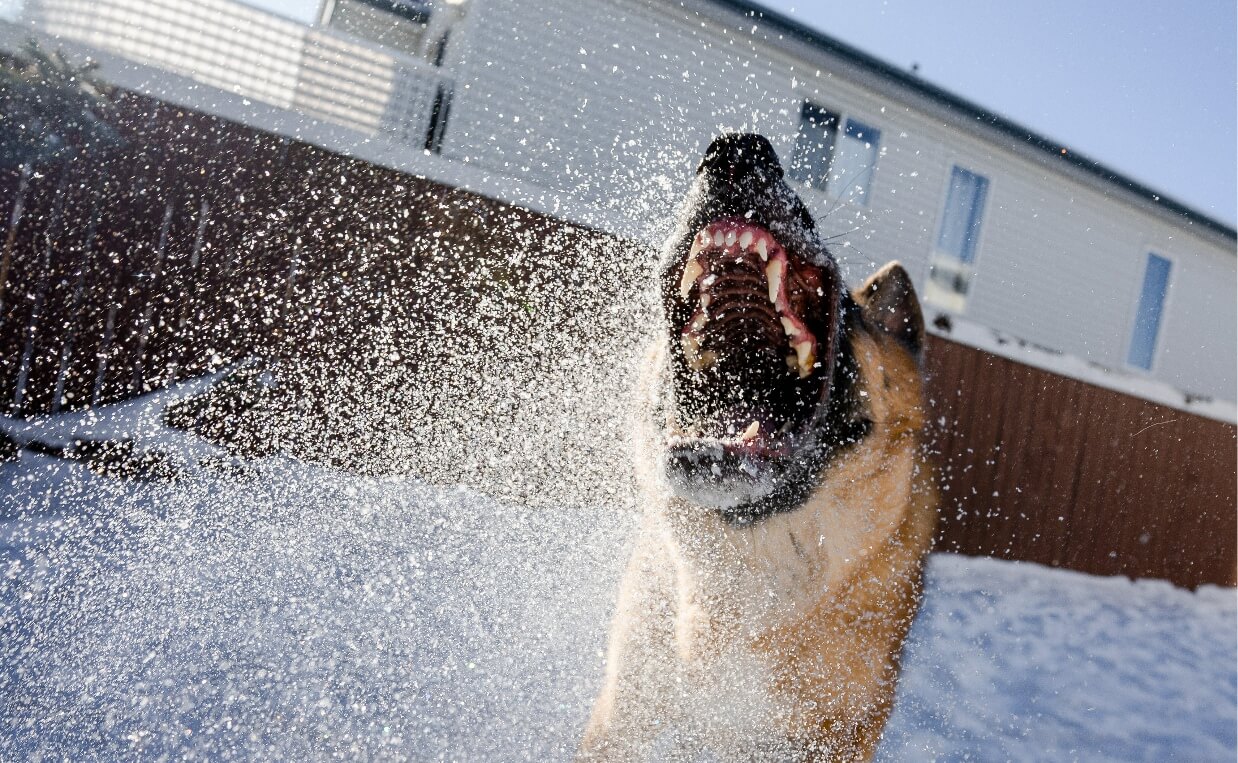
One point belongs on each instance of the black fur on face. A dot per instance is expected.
(759, 389)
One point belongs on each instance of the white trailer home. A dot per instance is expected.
(595, 111)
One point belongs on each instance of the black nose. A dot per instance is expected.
(734, 155)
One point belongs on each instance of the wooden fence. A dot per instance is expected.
(202, 241)
(1044, 468)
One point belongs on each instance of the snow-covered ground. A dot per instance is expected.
(277, 610)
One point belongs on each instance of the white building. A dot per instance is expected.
(596, 111)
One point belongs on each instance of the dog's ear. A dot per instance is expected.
(889, 303)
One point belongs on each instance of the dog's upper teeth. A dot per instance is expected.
(789, 327)
(745, 239)
(762, 249)
(691, 272)
(773, 272)
(752, 431)
(705, 300)
(730, 238)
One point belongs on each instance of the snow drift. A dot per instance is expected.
(272, 609)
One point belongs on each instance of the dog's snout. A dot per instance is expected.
(733, 156)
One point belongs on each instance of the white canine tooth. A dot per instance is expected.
(691, 272)
(762, 249)
(719, 238)
(773, 273)
(752, 431)
(730, 238)
(745, 239)
(804, 357)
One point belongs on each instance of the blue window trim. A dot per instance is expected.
(1150, 312)
(979, 186)
(861, 131)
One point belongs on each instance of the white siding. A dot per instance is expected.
(240, 50)
(599, 109)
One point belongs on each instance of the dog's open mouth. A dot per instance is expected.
(754, 333)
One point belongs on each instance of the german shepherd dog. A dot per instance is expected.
(788, 504)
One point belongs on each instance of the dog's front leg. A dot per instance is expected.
(634, 704)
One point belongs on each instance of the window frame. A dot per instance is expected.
(845, 123)
(843, 117)
(436, 27)
(961, 301)
(1149, 250)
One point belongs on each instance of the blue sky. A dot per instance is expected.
(1148, 88)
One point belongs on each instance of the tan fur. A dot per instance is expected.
(780, 639)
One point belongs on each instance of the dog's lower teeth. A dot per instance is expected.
(752, 431)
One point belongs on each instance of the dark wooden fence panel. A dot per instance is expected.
(200, 241)
(1040, 467)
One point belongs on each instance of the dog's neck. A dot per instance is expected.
(782, 568)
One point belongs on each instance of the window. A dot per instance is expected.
(419, 28)
(829, 159)
(855, 155)
(1148, 314)
(398, 24)
(950, 266)
(814, 146)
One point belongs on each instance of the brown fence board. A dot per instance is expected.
(1084, 477)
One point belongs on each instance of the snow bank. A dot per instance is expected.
(285, 611)
(1015, 661)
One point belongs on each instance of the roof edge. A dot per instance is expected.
(833, 45)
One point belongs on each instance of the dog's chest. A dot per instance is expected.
(727, 702)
